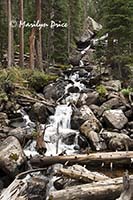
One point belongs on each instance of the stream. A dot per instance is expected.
(59, 137)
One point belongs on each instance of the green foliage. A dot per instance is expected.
(25, 77)
(116, 18)
(39, 79)
(102, 91)
(126, 91)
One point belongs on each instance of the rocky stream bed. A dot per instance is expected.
(68, 142)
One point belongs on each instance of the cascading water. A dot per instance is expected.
(59, 126)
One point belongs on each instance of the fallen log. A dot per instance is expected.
(108, 189)
(81, 173)
(106, 157)
(34, 100)
(25, 188)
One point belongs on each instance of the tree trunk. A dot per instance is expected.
(81, 173)
(32, 48)
(114, 157)
(69, 29)
(40, 143)
(39, 37)
(9, 33)
(109, 189)
(21, 35)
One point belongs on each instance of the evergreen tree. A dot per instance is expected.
(117, 18)
(3, 29)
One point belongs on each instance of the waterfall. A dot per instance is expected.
(58, 128)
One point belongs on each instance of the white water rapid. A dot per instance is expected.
(59, 129)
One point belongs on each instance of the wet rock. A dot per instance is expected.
(40, 112)
(69, 138)
(115, 119)
(55, 90)
(116, 141)
(83, 142)
(17, 122)
(83, 73)
(11, 156)
(113, 85)
(73, 89)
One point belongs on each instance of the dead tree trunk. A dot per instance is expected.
(80, 173)
(114, 157)
(109, 189)
(32, 49)
(40, 144)
(21, 35)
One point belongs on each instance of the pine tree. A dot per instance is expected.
(117, 21)
(60, 53)
(21, 35)
(3, 29)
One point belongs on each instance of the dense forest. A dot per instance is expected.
(63, 23)
(66, 99)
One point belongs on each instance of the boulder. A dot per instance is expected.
(21, 134)
(75, 58)
(69, 139)
(91, 26)
(90, 125)
(73, 89)
(40, 112)
(88, 98)
(17, 122)
(11, 156)
(117, 141)
(55, 90)
(93, 137)
(115, 119)
(110, 104)
(81, 115)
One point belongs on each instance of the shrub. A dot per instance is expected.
(126, 91)
(102, 91)
(39, 79)
(25, 77)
